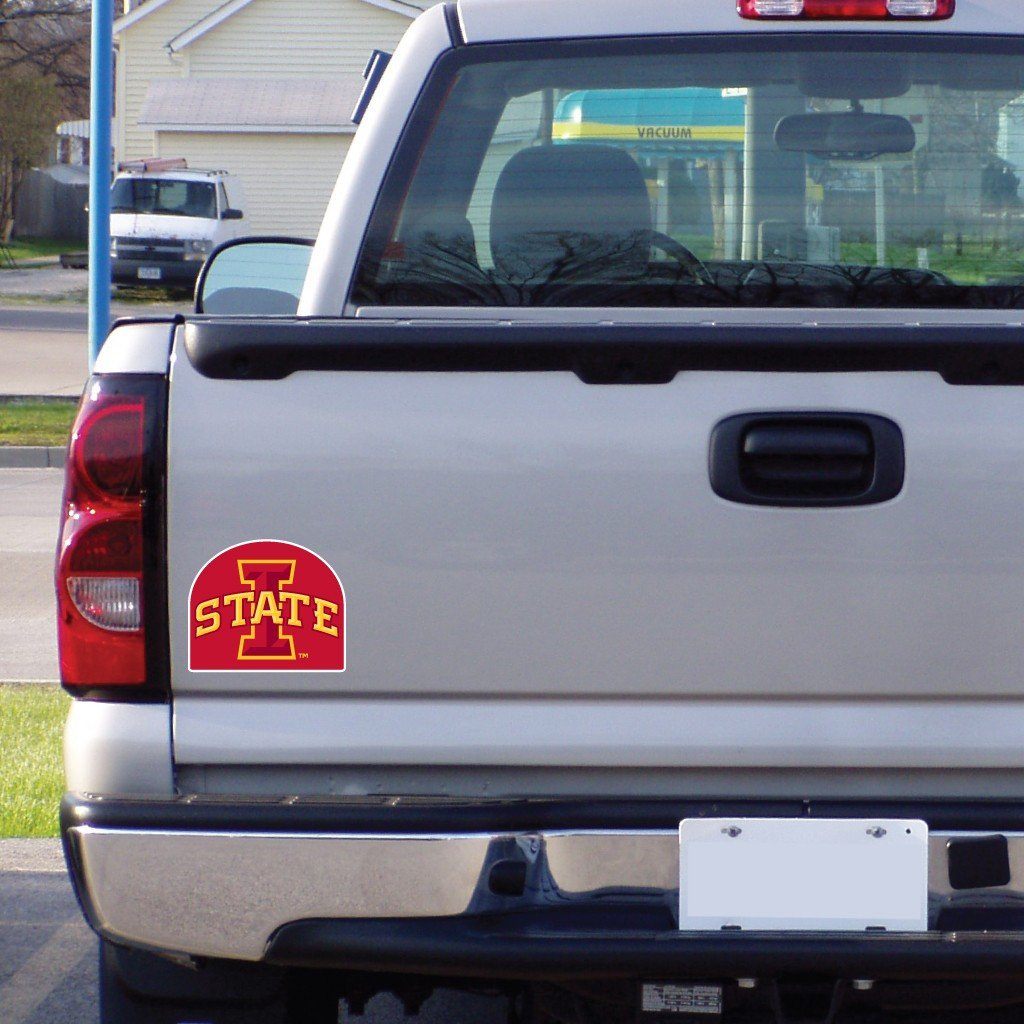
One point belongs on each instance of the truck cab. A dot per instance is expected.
(166, 219)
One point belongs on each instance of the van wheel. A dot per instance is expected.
(136, 987)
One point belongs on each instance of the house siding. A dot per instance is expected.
(143, 59)
(280, 39)
(287, 178)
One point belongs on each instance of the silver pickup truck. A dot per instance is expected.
(592, 573)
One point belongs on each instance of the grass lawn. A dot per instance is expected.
(37, 422)
(975, 264)
(147, 295)
(34, 248)
(31, 774)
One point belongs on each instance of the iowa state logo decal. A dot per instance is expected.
(266, 606)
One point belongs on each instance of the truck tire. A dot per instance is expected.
(136, 987)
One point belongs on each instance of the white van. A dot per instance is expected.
(165, 219)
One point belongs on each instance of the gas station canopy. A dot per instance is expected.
(693, 123)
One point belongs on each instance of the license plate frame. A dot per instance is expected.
(803, 874)
(150, 274)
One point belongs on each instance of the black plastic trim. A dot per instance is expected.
(978, 862)
(884, 461)
(73, 860)
(372, 73)
(417, 815)
(573, 944)
(262, 348)
(454, 23)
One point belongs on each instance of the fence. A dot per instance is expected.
(51, 204)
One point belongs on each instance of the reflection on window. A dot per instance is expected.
(667, 179)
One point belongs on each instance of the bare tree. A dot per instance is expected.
(49, 38)
(44, 76)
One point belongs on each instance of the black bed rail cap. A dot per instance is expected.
(254, 348)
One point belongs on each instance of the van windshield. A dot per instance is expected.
(169, 196)
(825, 170)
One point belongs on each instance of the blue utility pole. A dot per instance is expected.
(101, 109)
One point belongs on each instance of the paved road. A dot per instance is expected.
(43, 350)
(29, 510)
(48, 955)
(45, 319)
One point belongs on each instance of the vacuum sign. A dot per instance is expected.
(267, 606)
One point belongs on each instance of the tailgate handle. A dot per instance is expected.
(807, 459)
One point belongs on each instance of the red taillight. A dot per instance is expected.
(107, 556)
(855, 10)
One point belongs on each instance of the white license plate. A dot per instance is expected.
(803, 874)
(150, 273)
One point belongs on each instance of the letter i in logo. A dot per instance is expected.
(267, 579)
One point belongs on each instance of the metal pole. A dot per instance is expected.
(881, 216)
(101, 109)
(733, 206)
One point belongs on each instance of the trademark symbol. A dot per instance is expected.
(303, 655)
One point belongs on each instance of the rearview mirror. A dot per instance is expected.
(256, 276)
(845, 136)
(231, 214)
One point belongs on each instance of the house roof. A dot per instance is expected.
(144, 10)
(408, 8)
(302, 105)
(204, 25)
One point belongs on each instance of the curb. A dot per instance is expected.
(31, 457)
(36, 261)
(7, 398)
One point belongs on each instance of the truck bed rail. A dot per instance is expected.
(249, 348)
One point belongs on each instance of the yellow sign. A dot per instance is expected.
(569, 130)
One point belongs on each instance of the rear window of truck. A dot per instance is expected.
(825, 170)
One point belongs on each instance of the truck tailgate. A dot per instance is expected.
(521, 535)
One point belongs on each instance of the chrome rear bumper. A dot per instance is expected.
(242, 893)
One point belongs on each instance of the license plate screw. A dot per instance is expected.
(732, 831)
(876, 831)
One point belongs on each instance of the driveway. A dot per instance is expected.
(29, 514)
(40, 284)
(47, 953)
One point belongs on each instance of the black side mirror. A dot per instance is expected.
(231, 214)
